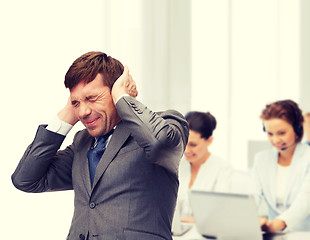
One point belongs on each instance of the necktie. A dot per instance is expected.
(95, 153)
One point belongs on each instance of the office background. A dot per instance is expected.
(229, 57)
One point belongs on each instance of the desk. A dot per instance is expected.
(193, 234)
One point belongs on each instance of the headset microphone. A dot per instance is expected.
(284, 148)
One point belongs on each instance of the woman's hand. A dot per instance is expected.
(272, 226)
(189, 219)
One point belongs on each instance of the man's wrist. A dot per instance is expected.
(121, 97)
(59, 126)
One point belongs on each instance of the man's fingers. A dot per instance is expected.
(126, 70)
(127, 83)
(130, 83)
(132, 88)
(132, 91)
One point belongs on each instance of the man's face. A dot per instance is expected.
(94, 106)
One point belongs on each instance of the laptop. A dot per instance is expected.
(225, 216)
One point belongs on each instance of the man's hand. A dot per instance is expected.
(67, 114)
(124, 85)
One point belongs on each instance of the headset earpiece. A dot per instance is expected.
(297, 126)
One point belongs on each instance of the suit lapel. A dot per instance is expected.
(82, 155)
(117, 140)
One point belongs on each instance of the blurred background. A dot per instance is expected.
(229, 57)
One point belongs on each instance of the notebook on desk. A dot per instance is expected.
(225, 216)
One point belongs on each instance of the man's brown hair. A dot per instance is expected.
(86, 67)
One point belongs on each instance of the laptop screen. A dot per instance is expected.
(225, 215)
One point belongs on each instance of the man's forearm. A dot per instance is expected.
(163, 136)
(31, 172)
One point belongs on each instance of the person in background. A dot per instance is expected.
(306, 126)
(281, 175)
(123, 167)
(200, 169)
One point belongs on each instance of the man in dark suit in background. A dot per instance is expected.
(123, 167)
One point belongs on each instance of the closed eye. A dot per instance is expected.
(92, 98)
(75, 103)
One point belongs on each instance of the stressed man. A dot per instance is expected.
(123, 167)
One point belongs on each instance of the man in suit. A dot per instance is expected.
(130, 192)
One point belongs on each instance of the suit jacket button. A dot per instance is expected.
(82, 237)
(92, 205)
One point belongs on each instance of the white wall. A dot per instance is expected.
(210, 79)
(39, 41)
(245, 54)
(153, 38)
(305, 54)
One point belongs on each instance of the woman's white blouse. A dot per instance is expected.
(295, 206)
(213, 175)
(281, 183)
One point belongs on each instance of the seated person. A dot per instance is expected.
(281, 175)
(306, 126)
(200, 170)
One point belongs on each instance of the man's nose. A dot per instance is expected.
(84, 110)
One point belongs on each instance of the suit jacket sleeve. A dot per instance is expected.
(42, 167)
(163, 136)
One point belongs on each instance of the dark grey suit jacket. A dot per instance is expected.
(135, 187)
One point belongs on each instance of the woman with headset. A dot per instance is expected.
(281, 175)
